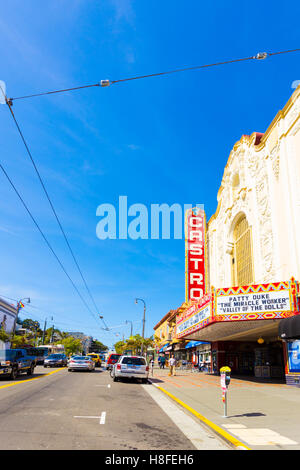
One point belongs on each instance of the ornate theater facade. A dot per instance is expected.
(252, 252)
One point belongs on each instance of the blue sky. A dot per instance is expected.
(159, 140)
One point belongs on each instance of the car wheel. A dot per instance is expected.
(14, 374)
(115, 379)
(31, 370)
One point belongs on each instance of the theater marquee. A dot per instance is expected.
(255, 302)
(195, 317)
(195, 254)
(276, 301)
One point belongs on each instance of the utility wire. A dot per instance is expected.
(104, 83)
(52, 206)
(44, 237)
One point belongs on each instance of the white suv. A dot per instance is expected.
(133, 367)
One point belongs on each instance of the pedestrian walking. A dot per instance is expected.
(159, 361)
(162, 362)
(172, 365)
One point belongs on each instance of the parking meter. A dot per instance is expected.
(225, 381)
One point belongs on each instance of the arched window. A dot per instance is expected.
(242, 262)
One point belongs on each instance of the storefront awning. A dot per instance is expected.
(164, 347)
(289, 328)
(193, 344)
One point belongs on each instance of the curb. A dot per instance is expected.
(217, 429)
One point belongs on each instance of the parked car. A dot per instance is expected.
(111, 360)
(81, 363)
(133, 367)
(16, 361)
(96, 358)
(56, 360)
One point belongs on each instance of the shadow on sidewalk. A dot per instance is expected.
(152, 379)
(259, 380)
(248, 415)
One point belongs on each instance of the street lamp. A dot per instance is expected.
(143, 333)
(19, 306)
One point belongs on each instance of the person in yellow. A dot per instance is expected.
(172, 364)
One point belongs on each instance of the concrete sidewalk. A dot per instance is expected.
(262, 415)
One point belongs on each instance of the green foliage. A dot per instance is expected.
(98, 346)
(4, 336)
(18, 341)
(30, 324)
(134, 344)
(120, 346)
(72, 345)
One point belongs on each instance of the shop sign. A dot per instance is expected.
(195, 321)
(293, 350)
(195, 253)
(261, 302)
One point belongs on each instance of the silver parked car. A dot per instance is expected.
(56, 360)
(81, 363)
(133, 367)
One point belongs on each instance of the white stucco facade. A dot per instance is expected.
(261, 181)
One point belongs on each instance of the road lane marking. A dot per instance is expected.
(101, 418)
(195, 432)
(88, 417)
(29, 380)
(224, 434)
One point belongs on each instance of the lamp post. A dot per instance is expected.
(143, 333)
(19, 306)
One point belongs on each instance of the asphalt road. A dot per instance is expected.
(60, 410)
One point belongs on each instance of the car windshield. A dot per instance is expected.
(7, 355)
(42, 352)
(136, 361)
(80, 358)
(114, 356)
(55, 356)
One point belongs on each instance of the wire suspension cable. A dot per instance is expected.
(103, 83)
(44, 237)
(52, 207)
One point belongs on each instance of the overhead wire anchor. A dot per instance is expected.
(261, 56)
(104, 83)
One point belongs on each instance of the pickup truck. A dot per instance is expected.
(16, 361)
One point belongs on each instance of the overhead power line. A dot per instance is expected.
(52, 208)
(105, 83)
(44, 237)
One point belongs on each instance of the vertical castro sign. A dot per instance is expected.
(195, 254)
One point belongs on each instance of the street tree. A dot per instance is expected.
(30, 324)
(72, 345)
